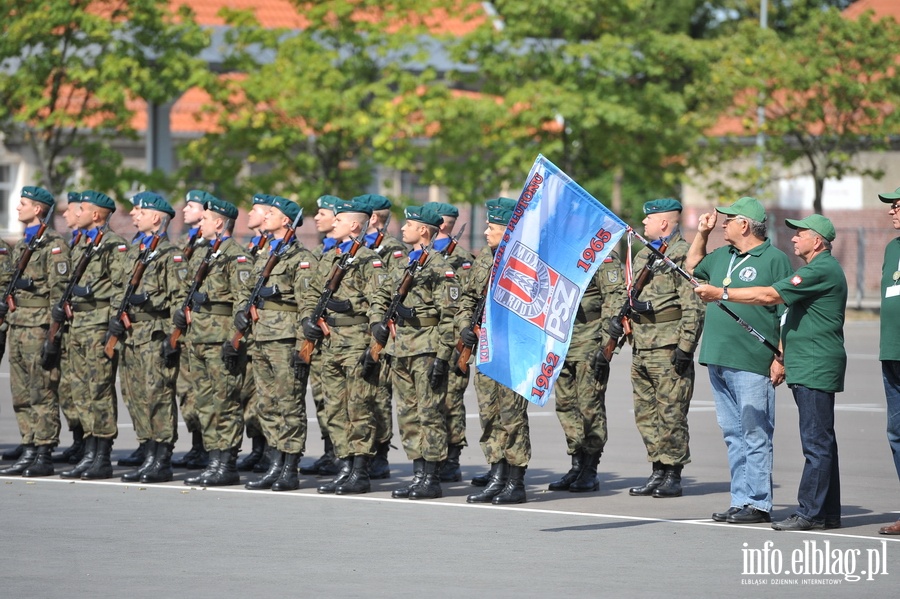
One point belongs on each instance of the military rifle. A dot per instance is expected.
(390, 316)
(202, 271)
(453, 242)
(10, 296)
(465, 351)
(191, 245)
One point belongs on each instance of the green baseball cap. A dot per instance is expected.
(662, 205)
(425, 214)
(890, 197)
(747, 207)
(98, 198)
(814, 222)
(38, 194)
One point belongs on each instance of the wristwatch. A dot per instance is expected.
(724, 293)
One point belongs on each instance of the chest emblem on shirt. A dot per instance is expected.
(747, 274)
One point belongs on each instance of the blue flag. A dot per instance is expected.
(557, 238)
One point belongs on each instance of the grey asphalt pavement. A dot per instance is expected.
(112, 539)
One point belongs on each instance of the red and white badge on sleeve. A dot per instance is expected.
(796, 280)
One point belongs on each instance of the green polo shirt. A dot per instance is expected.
(890, 306)
(725, 342)
(813, 331)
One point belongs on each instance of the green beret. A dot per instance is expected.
(662, 205)
(74, 197)
(147, 200)
(354, 205)
(890, 197)
(99, 199)
(425, 214)
(747, 207)
(814, 222)
(38, 194)
(199, 196)
(288, 208)
(264, 199)
(507, 203)
(374, 201)
(445, 209)
(327, 202)
(226, 209)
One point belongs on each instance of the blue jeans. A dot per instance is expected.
(819, 494)
(890, 373)
(745, 409)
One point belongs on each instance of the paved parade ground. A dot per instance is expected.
(113, 539)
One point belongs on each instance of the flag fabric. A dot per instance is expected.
(557, 238)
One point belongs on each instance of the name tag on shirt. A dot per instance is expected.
(892, 291)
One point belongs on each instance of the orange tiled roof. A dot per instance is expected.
(882, 8)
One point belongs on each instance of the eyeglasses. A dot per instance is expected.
(894, 207)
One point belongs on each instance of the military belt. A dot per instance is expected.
(420, 322)
(90, 306)
(345, 321)
(148, 316)
(219, 309)
(669, 315)
(33, 302)
(279, 306)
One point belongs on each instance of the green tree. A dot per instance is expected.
(829, 92)
(71, 72)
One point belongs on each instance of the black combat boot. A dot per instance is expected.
(569, 477)
(193, 454)
(671, 484)
(358, 481)
(134, 476)
(378, 466)
(246, 463)
(514, 491)
(226, 474)
(73, 453)
(276, 465)
(450, 472)
(418, 476)
(25, 459)
(587, 478)
(13, 454)
(90, 452)
(137, 457)
(42, 464)
(160, 471)
(342, 475)
(326, 461)
(430, 487)
(101, 467)
(496, 482)
(215, 457)
(481, 480)
(656, 478)
(263, 464)
(288, 480)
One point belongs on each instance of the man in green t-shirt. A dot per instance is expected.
(889, 353)
(812, 335)
(742, 371)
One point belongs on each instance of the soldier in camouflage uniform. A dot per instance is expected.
(6, 270)
(280, 400)
(461, 261)
(350, 398)
(326, 465)
(391, 250)
(94, 375)
(421, 352)
(147, 382)
(197, 458)
(34, 389)
(505, 432)
(663, 341)
(580, 390)
(217, 369)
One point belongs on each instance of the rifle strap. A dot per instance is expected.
(219, 309)
(670, 315)
(276, 306)
(345, 321)
(419, 323)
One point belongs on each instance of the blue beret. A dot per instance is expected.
(662, 205)
(97, 198)
(152, 201)
(288, 208)
(354, 205)
(38, 194)
(327, 202)
(226, 209)
(425, 214)
(374, 201)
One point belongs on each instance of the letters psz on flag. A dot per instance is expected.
(556, 240)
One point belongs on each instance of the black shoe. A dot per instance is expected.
(276, 465)
(134, 476)
(379, 467)
(90, 452)
(25, 459)
(797, 522)
(42, 464)
(723, 516)
(358, 481)
(288, 480)
(749, 515)
(586, 481)
(101, 468)
(226, 474)
(497, 478)
(671, 484)
(137, 457)
(193, 454)
(832, 522)
(346, 467)
(246, 463)
(324, 463)
(569, 477)
(481, 480)
(449, 471)
(418, 476)
(160, 471)
(13, 454)
(514, 491)
(214, 460)
(74, 451)
(656, 478)
(430, 486)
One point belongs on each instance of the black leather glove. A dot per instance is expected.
(4, 309)
(468, 337)
(371, 368)
(179, 319)
(437, 374)
(58, 313)
(381, 332)
(682, 361)
(454, 360)
(242, 322)
(169, 354)
(616, 330)
(312, 331)
(116, 328)
(230, 356)
(600, 366)
(2, 343)
(49, 355)
(24, 283)
(301, 368)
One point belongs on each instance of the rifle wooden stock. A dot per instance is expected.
(199, 277)
(188, 250)
(465, 351)
(136, 275)
(24, 259)
(390, 316)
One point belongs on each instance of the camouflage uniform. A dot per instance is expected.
(248, 393)
(184, 269)
(661, 397)
(66, 401)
